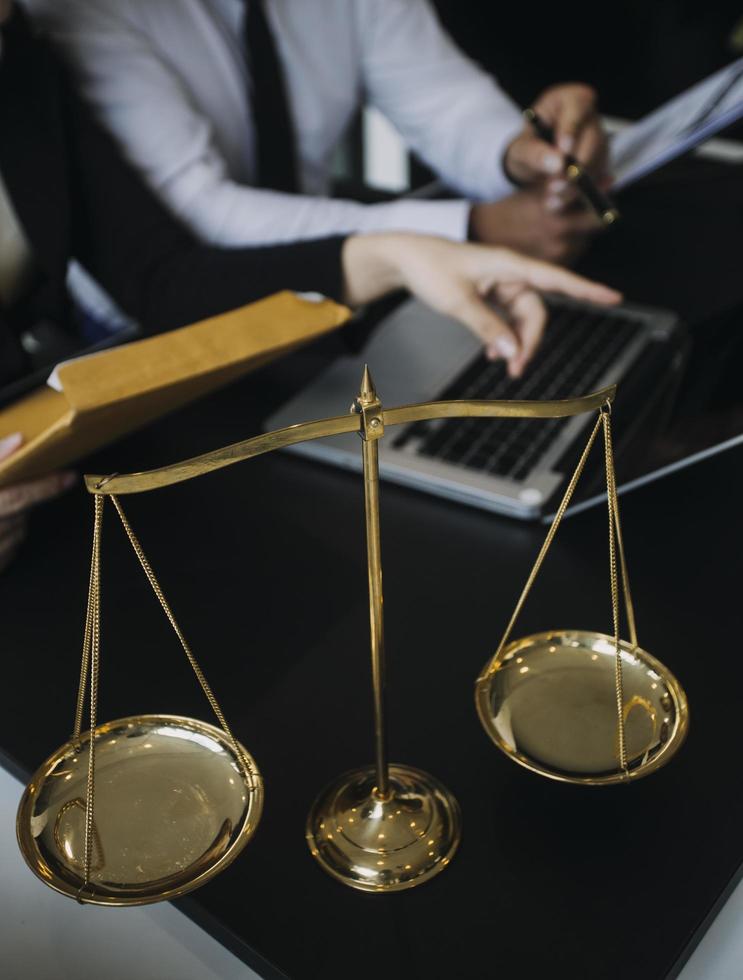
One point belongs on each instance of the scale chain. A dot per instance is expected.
(628, 604)
(548, 540)
(85, 660)
(147, 568)
(614, 582)
(91, 661)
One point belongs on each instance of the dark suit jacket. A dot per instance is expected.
(76, 197)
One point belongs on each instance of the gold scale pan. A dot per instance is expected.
(153, 806)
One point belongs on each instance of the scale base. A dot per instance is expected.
(384, 845)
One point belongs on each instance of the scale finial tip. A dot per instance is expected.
(368, 391)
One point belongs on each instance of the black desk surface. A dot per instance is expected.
(264, 565)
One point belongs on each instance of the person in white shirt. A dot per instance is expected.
(171, 79)
(96, 208)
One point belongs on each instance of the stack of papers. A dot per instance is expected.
(678, 126)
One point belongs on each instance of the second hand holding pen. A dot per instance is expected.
(575, 173)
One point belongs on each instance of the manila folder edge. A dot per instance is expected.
(113, 392)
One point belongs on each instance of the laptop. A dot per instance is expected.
(517, 467)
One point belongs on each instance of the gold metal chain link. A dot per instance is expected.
(614, 582)
(89, 616)
(90, 663)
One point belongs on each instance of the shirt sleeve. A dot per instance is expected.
(143, 103)
(447, 109)
(149, 262)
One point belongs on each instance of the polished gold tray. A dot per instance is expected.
(580, 706)
(549, 704)
(174, 806)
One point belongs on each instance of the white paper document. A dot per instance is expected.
(678, 126)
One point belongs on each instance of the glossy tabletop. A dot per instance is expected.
(264, 564)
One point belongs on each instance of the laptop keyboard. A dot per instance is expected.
(578, 348)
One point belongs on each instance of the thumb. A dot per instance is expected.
(530, 158)
(498, 338)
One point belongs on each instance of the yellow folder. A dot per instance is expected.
(112, 392)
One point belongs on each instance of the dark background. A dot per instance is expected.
(636, 53)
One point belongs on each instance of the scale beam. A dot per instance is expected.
(166, 476)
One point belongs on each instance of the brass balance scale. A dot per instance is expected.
(150, 807)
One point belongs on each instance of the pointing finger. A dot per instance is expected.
(529, 316)
(551, 278)
(498, 338)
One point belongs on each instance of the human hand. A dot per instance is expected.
(523, 222)
(493, 291)
(570, 111)
(16, 501)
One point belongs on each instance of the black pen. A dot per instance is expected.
(575, 173)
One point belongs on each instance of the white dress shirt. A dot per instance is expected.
(169, 78)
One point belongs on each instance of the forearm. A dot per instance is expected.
(223, 212)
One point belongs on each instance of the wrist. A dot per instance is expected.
(372, 266)
(474, 226)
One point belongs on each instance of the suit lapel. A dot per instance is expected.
(32, 144)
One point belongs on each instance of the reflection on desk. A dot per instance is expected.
(611, 882)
